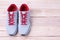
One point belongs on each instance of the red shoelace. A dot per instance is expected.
(23, 20)
(11, 18)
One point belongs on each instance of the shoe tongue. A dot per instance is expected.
(11, 12)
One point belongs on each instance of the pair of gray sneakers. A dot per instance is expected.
(18, 20)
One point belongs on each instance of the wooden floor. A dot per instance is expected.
(45, 19)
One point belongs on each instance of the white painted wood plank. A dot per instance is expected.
(43, 4)
(29, 38)
(39, 31)
(45, 12)
(38, 4)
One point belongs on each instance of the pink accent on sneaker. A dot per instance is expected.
(12, 8)
(11, 25)
(11, 18)
(23, 20)
(24, 7)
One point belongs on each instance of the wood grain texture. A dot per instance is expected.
(30, 38)
(45, 19)
(40, 26)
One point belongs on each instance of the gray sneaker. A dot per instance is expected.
(24, 20)
(12, 20)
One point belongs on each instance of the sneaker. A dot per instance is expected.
(12, 19)
(24, 20)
